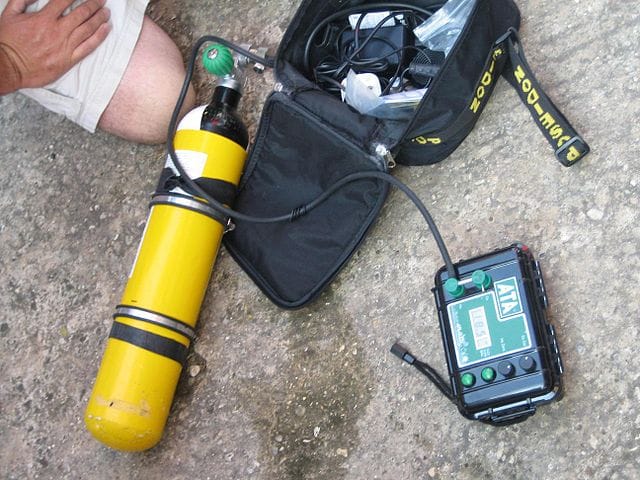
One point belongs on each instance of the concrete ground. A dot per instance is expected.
(315, 394)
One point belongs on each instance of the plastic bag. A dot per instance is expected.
(441, 30)
(364, 97)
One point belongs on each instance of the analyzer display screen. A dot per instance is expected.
(489, 325)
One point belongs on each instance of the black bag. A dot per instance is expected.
(308, 139)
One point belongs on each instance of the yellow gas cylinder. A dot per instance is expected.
(154, 323)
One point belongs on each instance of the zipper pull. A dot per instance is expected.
(383, 152)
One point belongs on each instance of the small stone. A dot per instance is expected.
(595, 214)
(432, 472)
(279, 438)
(194, 370)
(343, 452)
(499, 451)
(300, 410)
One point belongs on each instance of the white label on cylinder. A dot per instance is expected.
(192, 162)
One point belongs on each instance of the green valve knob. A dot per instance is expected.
(218, 60)
(454, 288)
(481, 279)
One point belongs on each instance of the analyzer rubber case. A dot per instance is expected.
(501, 352)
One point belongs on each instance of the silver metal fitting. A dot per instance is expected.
(242, 61)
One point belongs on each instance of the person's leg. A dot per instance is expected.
(142, 105)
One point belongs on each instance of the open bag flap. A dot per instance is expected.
(296, 157)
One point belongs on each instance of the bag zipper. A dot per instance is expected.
(383, 152)
(382, 157)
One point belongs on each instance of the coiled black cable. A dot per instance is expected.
(359, 9)
(333, 69)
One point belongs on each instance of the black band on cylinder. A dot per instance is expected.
(150, 341)
(221, 190)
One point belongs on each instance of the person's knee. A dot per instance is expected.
(144, 101)
(154, 128)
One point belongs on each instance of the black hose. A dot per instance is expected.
(301, 210)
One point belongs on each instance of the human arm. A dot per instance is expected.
(38, 48)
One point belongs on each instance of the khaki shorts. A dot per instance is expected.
(83, 93)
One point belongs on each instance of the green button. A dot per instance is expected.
(468, 379)
(454, 288)
(488, 374)
(481, 279)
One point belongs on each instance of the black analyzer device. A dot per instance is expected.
(502, 354)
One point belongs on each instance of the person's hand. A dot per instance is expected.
(38, 48)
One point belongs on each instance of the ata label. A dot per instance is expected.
(508, 297)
